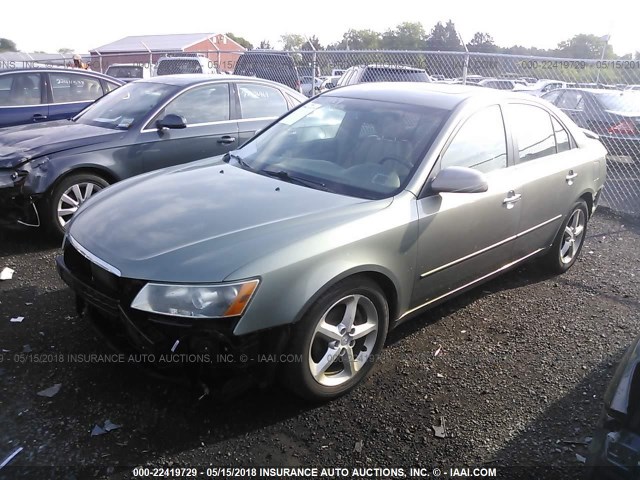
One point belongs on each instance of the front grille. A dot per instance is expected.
(99, 286)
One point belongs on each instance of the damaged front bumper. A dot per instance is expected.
(202, 350)
(17, 206)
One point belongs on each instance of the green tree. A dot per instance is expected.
(7, 45)
(482, 42)
(313, 40)
(64, 51)
(584, 46)
(452, 41)
(265, 45)
(358, 40)
(406, 36)
(242, 41)
(292, 41)
(437, 38)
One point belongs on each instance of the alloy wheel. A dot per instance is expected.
(343, 340)
(572, 237)
(72, 198)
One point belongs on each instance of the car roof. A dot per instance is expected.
(78, 71)
(185, 57)
(181, 80)
(438, 95)
(397, 67)
(127, 65)
(597, 90)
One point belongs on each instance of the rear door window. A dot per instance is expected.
(533, 130)
(563, 142)
(69, 88)
(257, 101)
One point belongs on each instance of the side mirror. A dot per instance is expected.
(459, 180)
(172, 121)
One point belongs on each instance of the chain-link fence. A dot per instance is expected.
(598, 94)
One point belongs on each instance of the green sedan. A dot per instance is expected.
(293, 256)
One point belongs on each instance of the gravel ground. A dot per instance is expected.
(523, 365)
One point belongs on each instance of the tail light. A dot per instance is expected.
(625, 127)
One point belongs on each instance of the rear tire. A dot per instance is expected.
(569, 240)
(65, 199)
(337, 341)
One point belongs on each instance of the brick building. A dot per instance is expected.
(221, 50)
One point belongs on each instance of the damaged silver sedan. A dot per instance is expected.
(354, 212)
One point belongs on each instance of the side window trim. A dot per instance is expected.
(572, 142)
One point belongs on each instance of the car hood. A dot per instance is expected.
(23, 143)
(202, 222)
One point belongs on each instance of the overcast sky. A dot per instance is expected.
(48, 26)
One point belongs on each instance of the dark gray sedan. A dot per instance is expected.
(355, 211)
(48, 170)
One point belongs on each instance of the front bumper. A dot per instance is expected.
(15, 206)
(169, 345)
(614, 454)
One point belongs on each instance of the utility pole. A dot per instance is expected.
(313, 68)
(604, 50)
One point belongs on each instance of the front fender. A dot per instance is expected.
(45, 172)
(288, 289)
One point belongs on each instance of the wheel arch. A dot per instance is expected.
(382, 277)
(97, 170)
(588, 198)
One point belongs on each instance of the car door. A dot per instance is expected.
(71, 92)
(209, 130)
(258, 106)
(548, 173)
(464, 237)
(22, 99)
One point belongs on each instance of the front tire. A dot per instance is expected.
(66, 198)
(569, 240)
(338, 339)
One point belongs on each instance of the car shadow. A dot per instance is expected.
(23, 240)
(527, 274)
(574, 418)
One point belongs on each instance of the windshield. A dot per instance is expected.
(355, 147)
(628, 102)
(178, 66)
(126, 106)
(394, 75)
(128, 71)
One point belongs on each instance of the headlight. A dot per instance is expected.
(195, 301)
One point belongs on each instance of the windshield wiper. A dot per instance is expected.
(287, 177)
(238, 159)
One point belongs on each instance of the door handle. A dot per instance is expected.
(511, 199)
(570, 176)
(39, 117)
(226, 140)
